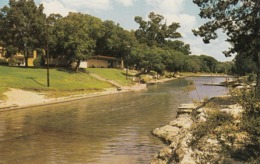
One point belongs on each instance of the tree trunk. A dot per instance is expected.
(77, 66)
(26, 58)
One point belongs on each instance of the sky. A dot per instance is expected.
(124, 12)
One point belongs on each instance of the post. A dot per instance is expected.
(48, 69)
(127, 66)
(47, 55)
(126, 69)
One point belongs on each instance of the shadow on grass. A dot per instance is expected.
(34, 80)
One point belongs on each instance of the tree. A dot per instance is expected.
(154, 32)
(22, 26)
(178, 46)
(244, 64)
(192, 64)
(76, 36)
(225, 67)
(115, 41)
(209, 63)
(240, 20)
(174, 60)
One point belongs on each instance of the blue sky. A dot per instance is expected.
(124, 11)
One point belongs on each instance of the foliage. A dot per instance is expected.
(240, 20)
(215, 118)
(114, 41)
(244, 64)
(39, 62)
(192, 64)
(154, 32)
(13, 61)
(22, 24)
(178, 46)
(225, 67)
(251, 78)
(76, 35)
(3, 61)
(251, 121)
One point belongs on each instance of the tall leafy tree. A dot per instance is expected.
(22, 26)
(178, 46)
(240, 20)
(155, 32)
(174, 60)
(115, 41)
(76, 36)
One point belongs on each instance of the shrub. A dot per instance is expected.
(215, 119)
(251, 121)
(251, 77)
(38, 62)
(13, 61)
(3, 61)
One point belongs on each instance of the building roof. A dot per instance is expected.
(103, 57)
(18, 57)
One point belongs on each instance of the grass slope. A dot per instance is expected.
(35, 79)
(110, 74)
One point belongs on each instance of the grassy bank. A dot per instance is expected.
(117, 75)
(62, 81)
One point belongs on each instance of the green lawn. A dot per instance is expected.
(111, 74)
(60, 80)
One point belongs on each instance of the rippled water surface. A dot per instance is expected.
(109, 129)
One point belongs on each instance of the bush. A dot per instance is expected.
(13, 62)
(251, 77)
(38, 62)
(251, 121)
(3, 62)
(215, 119)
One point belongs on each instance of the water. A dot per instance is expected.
(109, 129)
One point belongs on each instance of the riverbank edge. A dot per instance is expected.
(59, 100)
(51, 101)
(177, 135)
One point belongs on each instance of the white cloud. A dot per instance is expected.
(55, 7)
(126, 2)
(187, 22)
(88, 4)
(167, 6)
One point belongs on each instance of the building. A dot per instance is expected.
(20, 59)
(2, 53)
(102, 62)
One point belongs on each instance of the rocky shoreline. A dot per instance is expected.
(178, 136)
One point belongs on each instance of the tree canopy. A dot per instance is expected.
(154, 46)
(22, 26)
(155, 32)
(240, 20)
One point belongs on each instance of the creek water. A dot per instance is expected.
(108, 129)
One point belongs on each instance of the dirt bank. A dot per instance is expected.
(18, 99)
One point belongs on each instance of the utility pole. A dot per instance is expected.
(48, 68)
(47, 55)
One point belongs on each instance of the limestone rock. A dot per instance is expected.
(182, 122)
(166, 133)
(163, 157)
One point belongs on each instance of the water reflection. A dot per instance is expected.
(108, 129)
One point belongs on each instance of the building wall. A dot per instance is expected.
(97, 63)
(30, 60)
